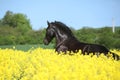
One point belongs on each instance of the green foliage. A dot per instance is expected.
(7, 20)
(86, 35)
(16, 29)
(17, 20)
(102, 36)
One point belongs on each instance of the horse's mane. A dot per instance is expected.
(63, 27)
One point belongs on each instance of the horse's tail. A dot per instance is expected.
(115, 56)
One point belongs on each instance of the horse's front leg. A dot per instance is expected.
(62, 49)
(85, 49)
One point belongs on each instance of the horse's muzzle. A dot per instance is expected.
(45, 42)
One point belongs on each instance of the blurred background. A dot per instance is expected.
(23, 23)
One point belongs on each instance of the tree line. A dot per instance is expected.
(15, 28)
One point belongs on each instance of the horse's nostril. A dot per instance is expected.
(45, 42)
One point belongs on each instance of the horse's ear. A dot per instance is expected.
(48, 23)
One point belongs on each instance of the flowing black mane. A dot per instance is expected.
(62, 27)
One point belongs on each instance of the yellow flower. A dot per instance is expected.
(45, 64)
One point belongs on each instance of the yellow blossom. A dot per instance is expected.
(46, 64)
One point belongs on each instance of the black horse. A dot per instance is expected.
(65, 41)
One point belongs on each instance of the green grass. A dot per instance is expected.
(27, 46)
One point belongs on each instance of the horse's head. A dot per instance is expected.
(50, 33)
(58, 30)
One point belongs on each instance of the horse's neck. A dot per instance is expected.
(60, 38)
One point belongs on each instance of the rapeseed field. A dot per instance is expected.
(46, 64)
